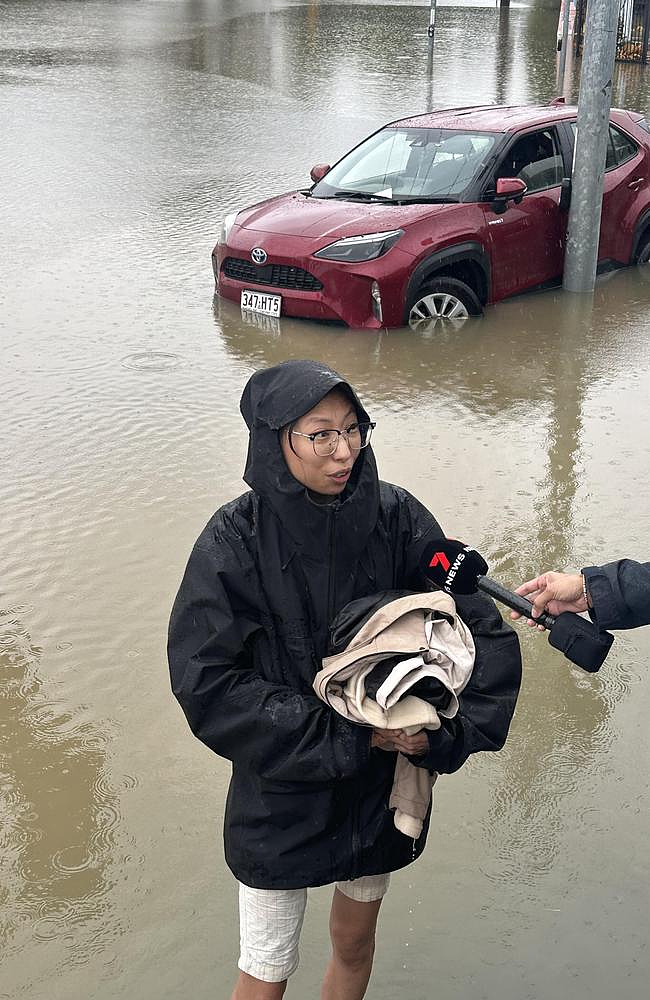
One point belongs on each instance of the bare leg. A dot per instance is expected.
(249, 988)
(352, 929)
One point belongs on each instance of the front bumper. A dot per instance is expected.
(345, 294)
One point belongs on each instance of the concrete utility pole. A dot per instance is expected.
(594, 105)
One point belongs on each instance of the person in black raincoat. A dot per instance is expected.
(308, 797)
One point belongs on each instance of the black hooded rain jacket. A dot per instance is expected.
(308, 797)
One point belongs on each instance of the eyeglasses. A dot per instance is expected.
(326, 442)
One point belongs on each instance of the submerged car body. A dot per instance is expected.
(433, 217)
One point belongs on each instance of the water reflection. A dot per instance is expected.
(564, 726)
(561, 351)
(58, 812)
(503, 60)
(570, 378)
(329, 56)
(351, 56)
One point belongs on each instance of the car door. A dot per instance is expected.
(527, 240)
(626, 172)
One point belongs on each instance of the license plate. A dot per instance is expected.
(260, 302)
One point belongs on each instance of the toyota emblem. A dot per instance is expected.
(258, 256)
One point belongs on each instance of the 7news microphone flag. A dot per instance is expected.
(459, 569)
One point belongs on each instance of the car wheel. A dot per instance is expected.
(442, 302)
(642, 256)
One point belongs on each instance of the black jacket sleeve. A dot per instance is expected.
(620, 593)
(487, 704)
(280, 733)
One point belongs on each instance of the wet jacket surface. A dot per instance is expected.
(620, 593)
(308, 798)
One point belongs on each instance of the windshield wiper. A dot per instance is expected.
(406, 200)
(399, 200)
(362, 196)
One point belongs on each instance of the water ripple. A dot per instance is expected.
(151, 361)
(60, 819)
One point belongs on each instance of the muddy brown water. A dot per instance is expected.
(128, 130)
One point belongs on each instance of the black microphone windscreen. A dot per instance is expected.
(453, 566)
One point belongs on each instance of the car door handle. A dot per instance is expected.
(635, 183)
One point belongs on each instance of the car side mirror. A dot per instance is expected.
(508, 189)
(565, 194)
(318, 172)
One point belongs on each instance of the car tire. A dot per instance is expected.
(442, 302)
(642, 255)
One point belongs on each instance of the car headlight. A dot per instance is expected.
(353, 249)
(226, 226)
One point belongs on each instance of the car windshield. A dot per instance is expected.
(408, 164)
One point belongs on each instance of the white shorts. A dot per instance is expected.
(270, 921)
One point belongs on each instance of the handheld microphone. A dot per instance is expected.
(459, 569)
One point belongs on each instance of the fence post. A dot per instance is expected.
(646, 29)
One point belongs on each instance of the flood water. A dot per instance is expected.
(128, 130)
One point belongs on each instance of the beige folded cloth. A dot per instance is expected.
(435, 642)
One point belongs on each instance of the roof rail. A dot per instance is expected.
(473, 107)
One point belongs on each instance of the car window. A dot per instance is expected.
(389, 156)
(410, 163)
(624, 148)
(619, 146)
(611, 160)
(536, 159)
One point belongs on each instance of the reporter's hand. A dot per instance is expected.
(396, 741)
(553, 592)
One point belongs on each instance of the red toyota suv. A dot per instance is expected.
(433, 217)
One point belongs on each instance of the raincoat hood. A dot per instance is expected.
(274, 397)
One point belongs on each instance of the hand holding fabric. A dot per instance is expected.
(397, 741)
